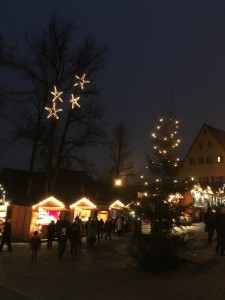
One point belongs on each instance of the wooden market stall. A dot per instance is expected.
(114, 208)
(83, 208)
(44, 212)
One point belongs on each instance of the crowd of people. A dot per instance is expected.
(94, 230)
(215, 224)
(64, 231)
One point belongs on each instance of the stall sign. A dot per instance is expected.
(145, 225)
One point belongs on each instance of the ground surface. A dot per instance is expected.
(108, 272)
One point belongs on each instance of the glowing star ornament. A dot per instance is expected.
(81, 81)
(53, 111)
(74, 101)
(56, 95)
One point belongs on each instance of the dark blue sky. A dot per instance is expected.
(154, 47)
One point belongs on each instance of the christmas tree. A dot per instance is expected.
(165, 165)
(158, 249)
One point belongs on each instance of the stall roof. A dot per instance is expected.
(83, 203)
(50, 202)
(116, 205)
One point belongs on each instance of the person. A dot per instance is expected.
(220, 228)
(108, 229)
(63, 231)
(92, 232)
(119, 226)
(97, 222)
(86, 225)
(35, 245)
(209, 220)
(101, 227)
(50, 234)
(74, 237)
(6, 235)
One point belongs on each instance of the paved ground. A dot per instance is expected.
(108, 272)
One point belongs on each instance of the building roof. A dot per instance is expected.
(218, 134)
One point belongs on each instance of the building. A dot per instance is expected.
(205, 160)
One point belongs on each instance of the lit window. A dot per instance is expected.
(219, 159)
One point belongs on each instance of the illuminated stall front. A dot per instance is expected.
(83, 208)
(3, 206)
(115, 208)
(44, 212)
(201, 199)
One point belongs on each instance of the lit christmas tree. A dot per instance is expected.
(165, 166)
(162, 207)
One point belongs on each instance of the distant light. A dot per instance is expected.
(118, 182)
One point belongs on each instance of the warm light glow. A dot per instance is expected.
(53, 111)
(56, 95)
(81, 81)
(50, 201)
(116, 205)
(74, 101)
(84, 203)
(118, 182)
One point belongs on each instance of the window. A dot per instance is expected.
(204, 179)
(192, 161)
(219, 159)
(200, 146)
(209, 144)
(209, 159)
(218, 179)
(201, 160)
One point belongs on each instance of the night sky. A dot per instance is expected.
(154, 47)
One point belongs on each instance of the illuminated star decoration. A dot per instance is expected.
(81, 81)
(53, 111)
(74, 101)
(56, 95)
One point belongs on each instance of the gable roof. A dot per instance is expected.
(218, 134)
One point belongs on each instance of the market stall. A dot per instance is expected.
(115, 208)
(3, 207)
(83, 208)
(44, 212)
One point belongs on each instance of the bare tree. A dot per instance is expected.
(120, 154)
(53, 63)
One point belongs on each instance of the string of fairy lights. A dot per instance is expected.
(169, 139)
(54, 110)
(163, 145)
(2, 194)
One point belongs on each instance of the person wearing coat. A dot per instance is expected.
(92, 232)
(35, 245)
(209, 219)
(6, 235)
